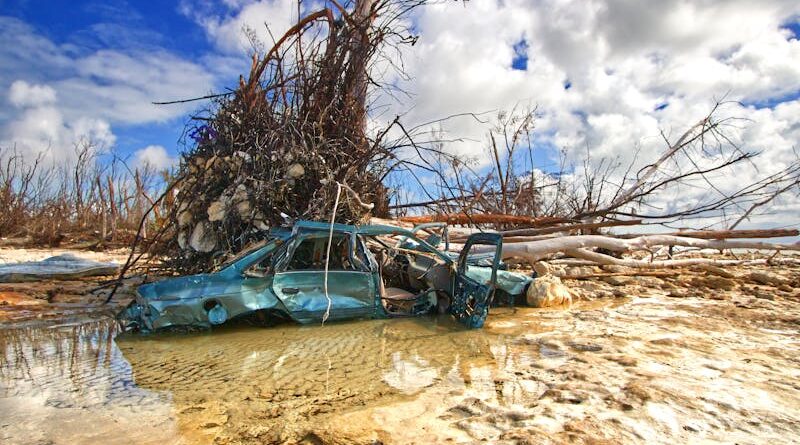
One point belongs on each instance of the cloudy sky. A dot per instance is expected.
(605, 74)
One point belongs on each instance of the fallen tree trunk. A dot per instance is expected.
(726, 234)
(486, 218)
(577, 246)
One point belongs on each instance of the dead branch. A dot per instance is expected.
(517, 235)
(484, 219)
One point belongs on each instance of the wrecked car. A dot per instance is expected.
(370, 274)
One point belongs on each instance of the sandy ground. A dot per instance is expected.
(703, 356)
(14, 255)
(55, 301)
(690, 358)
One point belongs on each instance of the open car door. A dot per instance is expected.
(471, 298)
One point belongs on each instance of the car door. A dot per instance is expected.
(300, 281)
(472, 298)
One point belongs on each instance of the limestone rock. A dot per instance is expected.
(217, 210)
(716, 270)
(295, 171)
(678, 293)
(618, 281)
(184, 218)
(718, 296)
(203, 239)
(616, 269)
(241, 200)
(542, 268)
(715, 282)
(580, 271)
(766, 278)
(765, 296)
(651, 282)
(592, 286)
(548, 291)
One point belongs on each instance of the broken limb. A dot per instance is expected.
(366, 206)
(537, 250)
(518, 235)
(485, 218)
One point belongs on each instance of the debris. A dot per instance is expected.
(61, 267)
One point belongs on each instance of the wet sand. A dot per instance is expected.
(679, 359)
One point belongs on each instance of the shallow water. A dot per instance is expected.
(649, 370)
(86, 383)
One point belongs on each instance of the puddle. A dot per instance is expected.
(56, 381)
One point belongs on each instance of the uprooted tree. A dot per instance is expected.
(288, 140)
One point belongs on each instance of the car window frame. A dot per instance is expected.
(283, 259)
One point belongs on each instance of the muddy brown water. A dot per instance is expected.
(643, 370)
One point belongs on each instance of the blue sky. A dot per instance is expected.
(81, 29)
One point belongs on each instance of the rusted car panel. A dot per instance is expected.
(367, 277)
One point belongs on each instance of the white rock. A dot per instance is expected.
(260, 222)
(548, 291)
(243, 155)
(182, 240)
(184, 218)
(580, 271)
(241, 200)
(542, 268)
(202, 239)
(616, 269)
(295, 171)
(767, 278)
(217, 210)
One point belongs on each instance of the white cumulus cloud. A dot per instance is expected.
(53, 94)
(40, 127)
(155, 157)
(23, 94)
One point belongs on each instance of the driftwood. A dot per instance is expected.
(578, 247)
(728, 234)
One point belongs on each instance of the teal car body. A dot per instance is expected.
(367, 277)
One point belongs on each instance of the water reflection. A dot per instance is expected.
(55, 382)
(86, 384)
